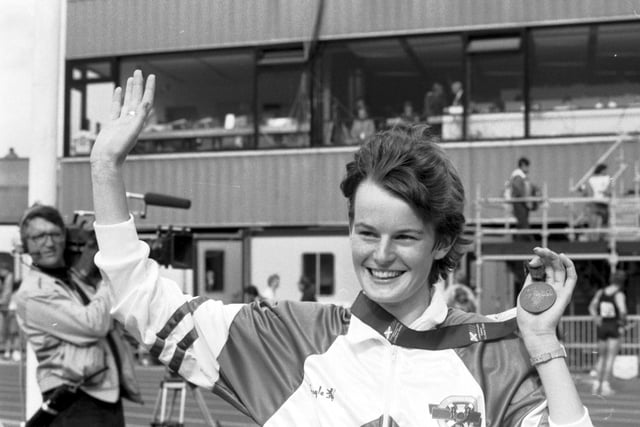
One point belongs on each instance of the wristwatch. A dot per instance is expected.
(545, 357)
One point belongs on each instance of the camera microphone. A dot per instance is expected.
(166, 201)
(156, 199)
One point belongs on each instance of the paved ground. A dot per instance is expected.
(12, 407)
(620, 410)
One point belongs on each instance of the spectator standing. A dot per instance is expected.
(363, 126)
(251, 294)
(457, 94)
(307, 288)
(409, 116)
(268, 293)
(519, 186)
(68, 324)
(609, 310)
(598, 187)
(9, 333)
(435, 102)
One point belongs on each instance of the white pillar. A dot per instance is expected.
(47, 116)
(47, 98)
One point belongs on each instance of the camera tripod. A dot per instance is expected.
(175, 385)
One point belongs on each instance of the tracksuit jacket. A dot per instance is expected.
(312, 364)
(69, 338)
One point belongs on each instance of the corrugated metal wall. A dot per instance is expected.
(279, 188)
(301, 187)
(123, 27)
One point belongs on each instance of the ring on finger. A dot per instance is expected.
(131, 113)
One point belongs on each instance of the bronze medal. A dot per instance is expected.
(537, 297)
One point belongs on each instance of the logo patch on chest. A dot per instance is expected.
(457, 411)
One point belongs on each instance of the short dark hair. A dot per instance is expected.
(618, 277)
(251, 291)
(523, 161)
(306, 282)
(409, 165)
(600, 167)
(46, 212)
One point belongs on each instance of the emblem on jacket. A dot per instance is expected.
(477, 332)
(456, 411)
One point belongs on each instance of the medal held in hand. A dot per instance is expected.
(538, 296)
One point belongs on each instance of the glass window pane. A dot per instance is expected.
(585, 80)
(327, 282)
(92, 71)
(203, 101)
(88, 111)
(283, 103)
(385, 82)
(442, 65)
(320, 269)
(559, 59)
(496, 101)
(214, 271)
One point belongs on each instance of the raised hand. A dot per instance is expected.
(561, 276)
(119, 135)
(115, 141)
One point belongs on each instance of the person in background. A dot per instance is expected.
(457, 94)
(435, 102)
(363, 126)
(520, 186)
(67, 323)
(251, 294)
(409, 116)
(397, 356)
(609, 311)
(268, 293)
(598, 187)
(9, 333)
(307, 288)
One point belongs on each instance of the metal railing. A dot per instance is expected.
(578, 334)
(624, 225)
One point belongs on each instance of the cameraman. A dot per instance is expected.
(69, 327)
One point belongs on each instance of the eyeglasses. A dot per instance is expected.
(41, 238)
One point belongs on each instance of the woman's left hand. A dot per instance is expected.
(561, 276)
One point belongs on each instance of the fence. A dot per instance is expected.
(581, 343)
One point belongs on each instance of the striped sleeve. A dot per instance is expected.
(252, 355)
(185, 333)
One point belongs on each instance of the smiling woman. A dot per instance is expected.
(397, 357)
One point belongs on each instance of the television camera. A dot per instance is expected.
(171, 246)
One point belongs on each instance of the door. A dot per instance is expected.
(219, 269)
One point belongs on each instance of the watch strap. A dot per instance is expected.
(545, 357)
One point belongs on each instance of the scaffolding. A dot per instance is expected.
(621, 240)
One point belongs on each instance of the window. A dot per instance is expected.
(496, 92)
(283, 106)
(91, 83)
(203, 101)
(319, 268)
(391, 78)
(214, 271)
(585, 80)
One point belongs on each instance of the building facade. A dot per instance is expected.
(258, 106)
